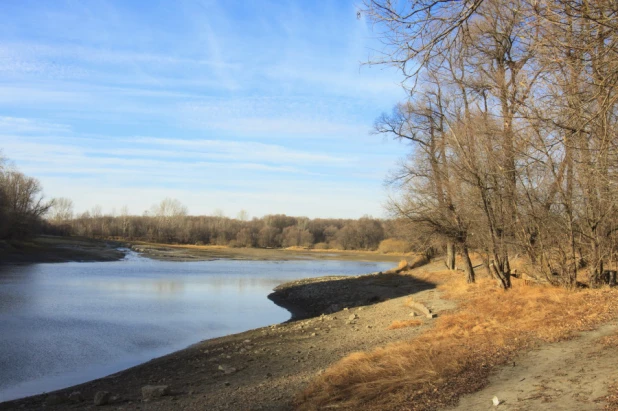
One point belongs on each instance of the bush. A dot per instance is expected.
(393, 245)
(321, 246)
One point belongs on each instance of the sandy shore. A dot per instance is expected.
(263, 369)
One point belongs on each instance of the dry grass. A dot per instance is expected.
(456, 355)
(393, 245)
(611, 400)
(609, 340)
(395, 325)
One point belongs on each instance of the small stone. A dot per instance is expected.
(495, 401)
(313, 334)
(101, 398)
(154, 391)
(227, 383)
(413, 314)
(227, 369)
(352, 317)
(76, 396)
(247, 341)
(368, 326)
(345, 309)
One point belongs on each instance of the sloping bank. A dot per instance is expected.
(263, 368)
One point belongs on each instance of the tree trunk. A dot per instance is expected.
(504, 277)
(450, 255)
(468, 264)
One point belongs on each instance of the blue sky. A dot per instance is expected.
(229, 105)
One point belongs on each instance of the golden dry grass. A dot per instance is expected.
(611, 400)
(395, 325)
(455, 356)
(609, 340)
(393, 245)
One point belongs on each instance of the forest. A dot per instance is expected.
(512, 122)
(168, 222)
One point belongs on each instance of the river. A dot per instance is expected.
(66, 323)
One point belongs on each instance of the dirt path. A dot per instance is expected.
(263, 369)
(569, 375)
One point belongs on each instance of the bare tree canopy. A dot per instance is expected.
(512, 119)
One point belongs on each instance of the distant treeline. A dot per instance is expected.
(168, 223)
(24, 213)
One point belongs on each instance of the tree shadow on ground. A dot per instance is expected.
(313, 297)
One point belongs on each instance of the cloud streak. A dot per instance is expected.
(253, 103)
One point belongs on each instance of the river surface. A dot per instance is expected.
(66, 323)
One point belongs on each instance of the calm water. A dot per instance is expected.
(63, 324)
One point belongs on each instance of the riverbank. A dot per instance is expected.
(53, 249)
(185, 252)
(265, 368)
(368, 343)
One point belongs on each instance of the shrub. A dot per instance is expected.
(321, 246)
(393, 245)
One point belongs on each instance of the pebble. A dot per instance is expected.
(101, 398)
(227, 369)
(154, 391)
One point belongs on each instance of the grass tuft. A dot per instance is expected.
(395, 325)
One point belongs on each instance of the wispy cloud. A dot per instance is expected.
(254, 103)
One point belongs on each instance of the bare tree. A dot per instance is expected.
(61, 209)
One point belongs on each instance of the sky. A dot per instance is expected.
(261, 106)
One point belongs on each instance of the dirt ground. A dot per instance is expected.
(568, 375)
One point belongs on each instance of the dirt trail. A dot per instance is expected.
(568, 375)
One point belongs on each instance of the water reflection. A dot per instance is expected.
(62, 324)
